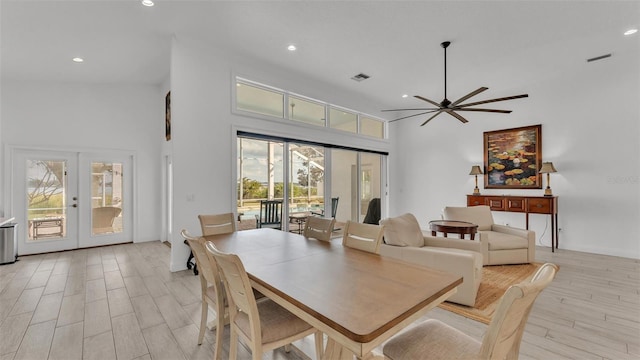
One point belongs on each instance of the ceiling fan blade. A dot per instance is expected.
(457, 116)
(405, 117)
(471, 94)
(495, 100)
(417, 109)
(427, 100)
(431, 118)
(484, 110)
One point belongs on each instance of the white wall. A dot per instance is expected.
(85, 117)
(590, 130)
(203, 128)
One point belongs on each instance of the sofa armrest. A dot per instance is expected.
(442, 242)
(527, 234)
(467, 264)
(512, 231)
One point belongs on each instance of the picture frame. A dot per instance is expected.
(167, 116)
(513, 157)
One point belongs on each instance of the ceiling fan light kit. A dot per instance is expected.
(452, 108)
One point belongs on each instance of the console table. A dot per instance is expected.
(547, 205)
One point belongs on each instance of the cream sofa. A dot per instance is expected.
(403, 239)
(500, 244)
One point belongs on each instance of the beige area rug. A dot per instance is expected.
(496, 279)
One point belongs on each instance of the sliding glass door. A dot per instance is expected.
(342, 185)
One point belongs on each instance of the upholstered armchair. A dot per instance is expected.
(500, 244)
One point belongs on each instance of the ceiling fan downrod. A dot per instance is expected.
(445, 103)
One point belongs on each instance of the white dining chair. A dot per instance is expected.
(262, 325)
(435, 340)
(319, 228)
(365, 237)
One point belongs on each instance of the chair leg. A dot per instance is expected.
(203, 321)
(189, 260)
(319, 340)
(220, 320)
(233, 345)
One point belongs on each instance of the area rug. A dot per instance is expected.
(496, 279)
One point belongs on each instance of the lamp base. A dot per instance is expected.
(547, 192)
(476, 191)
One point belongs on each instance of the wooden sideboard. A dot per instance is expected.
(546, 205)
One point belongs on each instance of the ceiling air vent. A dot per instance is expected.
(360, 77)
(599, 57)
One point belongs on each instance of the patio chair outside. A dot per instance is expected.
(270, 214)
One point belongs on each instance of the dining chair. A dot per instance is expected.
(434, 339)
(270, 214)
(319, 228)
(334, 208)
(262, 325)
(366, 237)
(212, 290)
(212, 225)
(217, 224)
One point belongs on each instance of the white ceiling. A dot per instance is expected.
(501, 45)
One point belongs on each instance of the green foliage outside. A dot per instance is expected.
(253, 189)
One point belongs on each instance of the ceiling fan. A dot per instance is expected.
(452, 108)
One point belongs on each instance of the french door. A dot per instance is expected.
(66, 200)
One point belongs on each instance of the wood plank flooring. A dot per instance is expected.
(122, 302)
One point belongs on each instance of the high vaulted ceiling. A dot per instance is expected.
(502, 45)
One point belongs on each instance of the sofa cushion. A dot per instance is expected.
(501, 241)
(403, 230)
(479, 215)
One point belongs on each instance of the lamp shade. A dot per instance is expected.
(475, 170)
(547, 167)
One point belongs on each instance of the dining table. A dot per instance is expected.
(358, 299)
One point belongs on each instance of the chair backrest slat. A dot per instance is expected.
(364, 237)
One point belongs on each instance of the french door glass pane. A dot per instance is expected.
(46, 199)
(106, 198)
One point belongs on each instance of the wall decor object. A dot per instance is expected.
(512, 158)
(167, 116)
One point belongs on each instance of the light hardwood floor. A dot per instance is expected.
(123, 302)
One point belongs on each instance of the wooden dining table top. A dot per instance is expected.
(356, 295)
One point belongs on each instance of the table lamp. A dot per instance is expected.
(475, 170)
(547, 168)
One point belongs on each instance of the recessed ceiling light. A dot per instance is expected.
(147, 3)
(405, 96)
(78, 59)
(291, 48)
(631, 31)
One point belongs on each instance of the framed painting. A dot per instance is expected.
(167, 116)
(512, 158)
